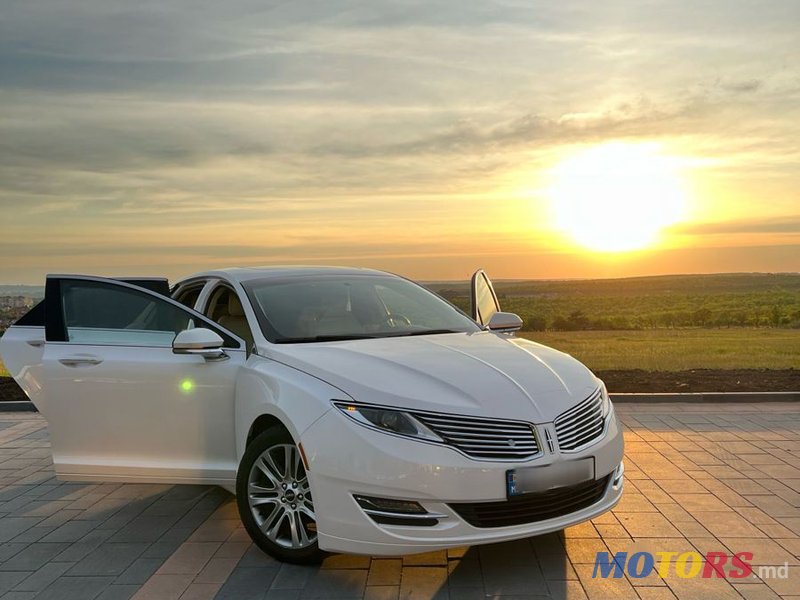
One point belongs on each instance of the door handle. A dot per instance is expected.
(35, 343)
(77, 361)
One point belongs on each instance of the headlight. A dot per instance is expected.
(606, 400)
(390, 421)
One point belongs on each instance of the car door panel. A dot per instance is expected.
(120, 403)
(141, 413)
(21, 349)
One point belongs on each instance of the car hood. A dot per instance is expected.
(480, 374)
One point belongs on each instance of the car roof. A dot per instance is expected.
(281, 271)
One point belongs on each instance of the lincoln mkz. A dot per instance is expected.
(349, 410)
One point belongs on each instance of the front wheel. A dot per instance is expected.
(274, 498)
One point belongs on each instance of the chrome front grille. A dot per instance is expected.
(581, 424)
(484, 438)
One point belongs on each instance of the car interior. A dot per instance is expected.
(225, 308)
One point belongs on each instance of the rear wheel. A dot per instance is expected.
(274, 498)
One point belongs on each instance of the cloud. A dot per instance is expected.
(747, 85)
(125, 119)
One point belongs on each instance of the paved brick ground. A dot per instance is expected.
(699, 478)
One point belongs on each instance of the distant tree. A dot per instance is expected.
(775, 317)
(561, 324)
(667, 319)
(536, 323)
(578, 320)
(701, 317)
(723, 319)
(621, 323)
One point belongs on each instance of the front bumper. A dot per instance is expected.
(346, 459)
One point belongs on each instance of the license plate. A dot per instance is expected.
(543, 478)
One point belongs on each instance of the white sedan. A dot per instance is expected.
(349, 410)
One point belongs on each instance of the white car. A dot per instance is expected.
(349, 410)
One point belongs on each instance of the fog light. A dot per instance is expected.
(403, 507)
(618, 473)
(390, 511)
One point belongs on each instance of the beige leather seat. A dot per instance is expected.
(235, 321)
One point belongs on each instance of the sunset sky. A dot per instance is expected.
(534, 139)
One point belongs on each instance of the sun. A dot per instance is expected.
(616, 197)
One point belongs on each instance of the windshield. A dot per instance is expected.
(341, 307)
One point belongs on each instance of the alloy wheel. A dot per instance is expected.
(280, 497)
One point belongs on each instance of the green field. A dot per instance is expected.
(678, 349)
(672, 301)
(666, 323)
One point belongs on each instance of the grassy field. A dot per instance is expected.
(675, 301)
(678, 349)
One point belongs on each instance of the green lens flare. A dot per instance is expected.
(187, 385)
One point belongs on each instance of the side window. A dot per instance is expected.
(188, 296)
(225, 307)
(35, 317)
(99, 313)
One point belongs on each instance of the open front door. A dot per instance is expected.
(119, 402)
(484, 301)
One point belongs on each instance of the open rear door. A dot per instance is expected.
(484, 301)
(121, 402)
(22, 345)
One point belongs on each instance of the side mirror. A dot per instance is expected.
(504, 321)
(201, 342)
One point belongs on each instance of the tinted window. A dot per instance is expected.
(188, 297)
(98, 313)
(158, 285)
(303, 309)
(35, 317)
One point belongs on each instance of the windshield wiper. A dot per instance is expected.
(424, 332)
(361, 336)
(325, 338)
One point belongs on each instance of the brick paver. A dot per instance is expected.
(704, 478)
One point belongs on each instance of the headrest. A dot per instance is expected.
(234, 306)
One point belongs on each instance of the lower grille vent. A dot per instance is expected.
(531, 508)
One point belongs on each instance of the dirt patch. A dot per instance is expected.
(702, 380)
(633, 381)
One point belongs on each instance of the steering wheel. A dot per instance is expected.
(396, 319)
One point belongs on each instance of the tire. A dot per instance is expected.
(275, 505)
